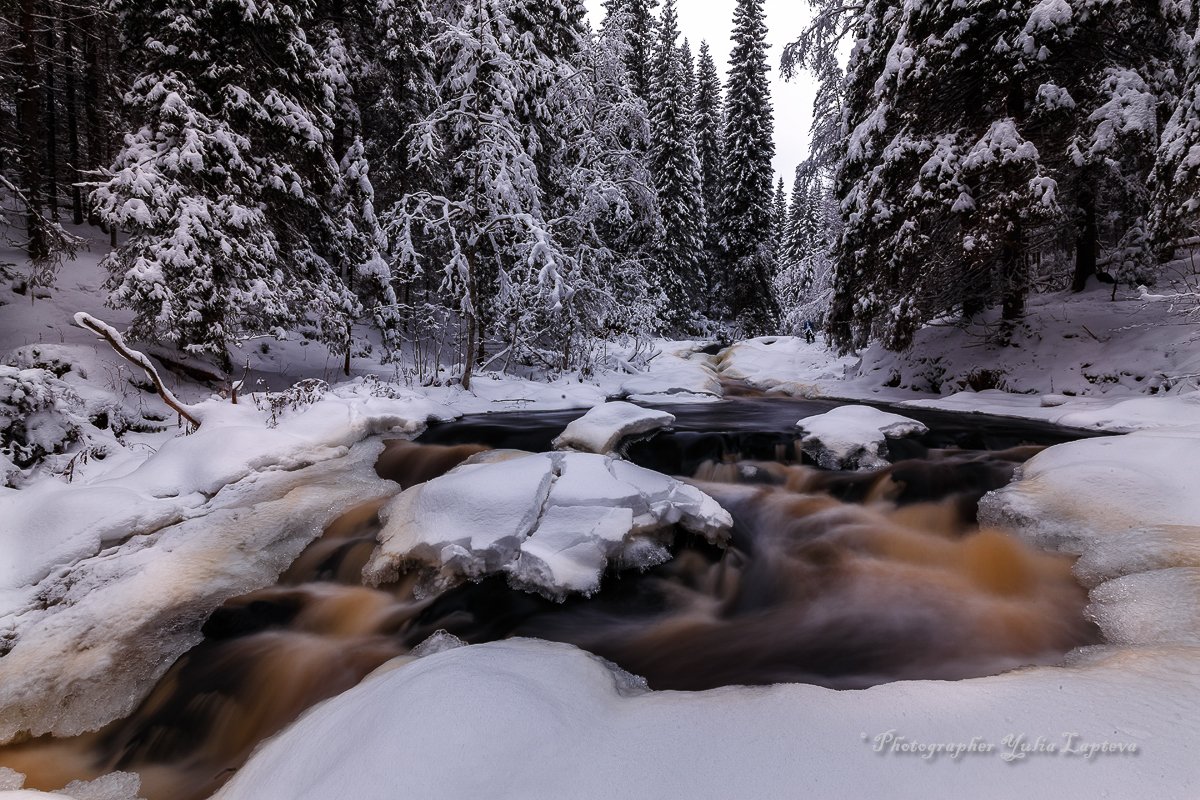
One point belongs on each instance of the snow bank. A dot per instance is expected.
(1128, 506)
(784, 364)
(680, 373)
(853, 437)
(1079, 345)
(551, 521)
(52, 524)
(103, 585)
(87, 643)
(528, 719)
(602, 428)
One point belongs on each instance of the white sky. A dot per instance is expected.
(713, 20)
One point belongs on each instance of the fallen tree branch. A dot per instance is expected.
(114, 338)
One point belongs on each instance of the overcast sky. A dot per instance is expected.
(713, 20)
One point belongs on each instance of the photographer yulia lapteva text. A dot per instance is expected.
(1013, 748)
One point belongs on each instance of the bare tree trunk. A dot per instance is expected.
(1085, 243)
(472, 320)
(71, 98)
(1016, 277)
(51, 100)
(117, 341)
(29, 125)
(91, 109)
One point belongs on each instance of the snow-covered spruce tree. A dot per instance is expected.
(818, 50)
(779, 216)
(362, 252)
(1096, 122)
(640, 35)
(616, 224)
(939, 186)
(224, 187)
(518, 212)
(358, 244)
(687, 66)
(746, 216)
(1176, 200)
(709, 124)
(397, 89)
(975, 135)
(804, 281)
(587, 197)
(676, 170)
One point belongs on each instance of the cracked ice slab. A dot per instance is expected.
(602, 428)
(552, 522)
(853, 437)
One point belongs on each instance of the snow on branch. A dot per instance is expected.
(114, 338)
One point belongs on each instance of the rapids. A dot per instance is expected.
(841, 579)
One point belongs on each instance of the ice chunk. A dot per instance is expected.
(10, 779)
(551, 521)
(571, 548)
(601, 429)
(1158, 607)
(113, 786)
(438, 642)
(854, 437)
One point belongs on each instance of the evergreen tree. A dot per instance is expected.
(749, 148)
(398, 90)
(708, 122)
(225, 187)
(1176, 201)
(976, 136)
(532, 215)
(779, 215)
(804, 282)
(621, 127)
(676, 171)
(687, 65)
(640, 32)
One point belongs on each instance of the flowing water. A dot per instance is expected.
(841, 579)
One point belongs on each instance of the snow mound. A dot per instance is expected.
(602, 428)
(1140, 413)
(551, 521)
(597, 737)
(784, 364)
(853, 437)
(680, 373)
(1128, 506)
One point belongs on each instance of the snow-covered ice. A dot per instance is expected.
(679, 373)
(534, 719)
(113, 786)
(551, 521)
(785, 365)
(104, 583)
(604, 427)
(853, 437)
(1128, 506)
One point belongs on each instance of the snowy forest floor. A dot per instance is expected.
(117, 567)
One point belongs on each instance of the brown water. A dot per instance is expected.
(844, 580)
